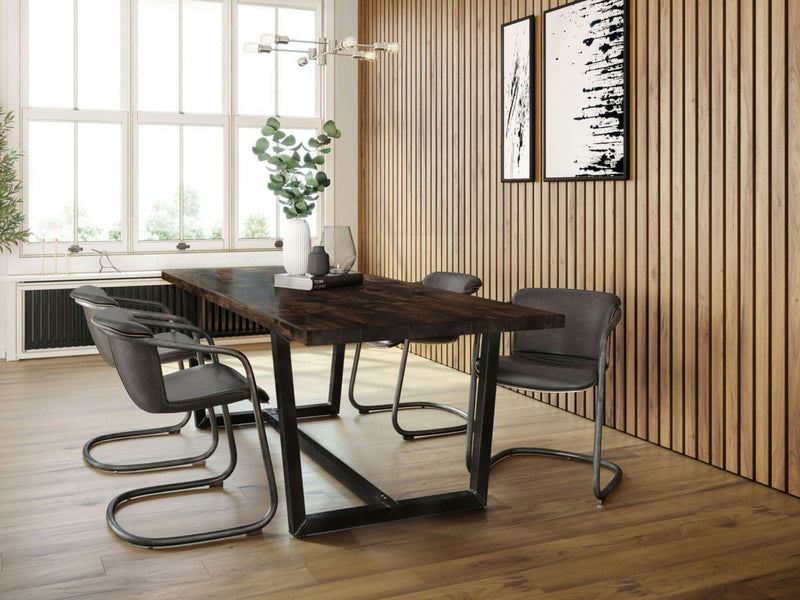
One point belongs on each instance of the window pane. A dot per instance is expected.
(159, 182)
(202, 56)
(203, 187)
(256, 72)
(99, 177)
(297, 96)
(99, 54)
(256, 203)
(50, 43)
(158, 55)
(50, 185)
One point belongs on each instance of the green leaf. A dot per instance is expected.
(261, 145)
(278, 135)
(330, 128)
(319, 160)
(274, 123)
(325, 150)
(267, 130)
(321, 176)
(323, 139)
(289, 140)
(313, 142)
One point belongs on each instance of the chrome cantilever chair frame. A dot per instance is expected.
(119, 501)
(454, 282)
(595, 459)
(93, 301)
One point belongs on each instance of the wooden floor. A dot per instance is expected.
(673, 529)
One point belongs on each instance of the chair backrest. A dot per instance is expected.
(589, 318)
(460, 283)
(92, 299)
(136, 360)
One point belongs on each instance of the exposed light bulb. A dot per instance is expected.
(302, 61)
(251, 47)
(393, 47)
(349, 42)
(270, 39)
(370, 55)
(380, 46)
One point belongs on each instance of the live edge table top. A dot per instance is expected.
(378, 309)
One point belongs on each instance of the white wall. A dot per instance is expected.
(341, 206)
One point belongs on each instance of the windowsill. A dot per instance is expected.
(61, 268)
(110, 275)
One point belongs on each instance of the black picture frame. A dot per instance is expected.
(585, 89)
(517, 127)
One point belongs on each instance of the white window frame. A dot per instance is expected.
(35, 246)
(257, 121)
(130, 119)
(67, 115)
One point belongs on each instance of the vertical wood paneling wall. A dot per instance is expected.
(702, 243)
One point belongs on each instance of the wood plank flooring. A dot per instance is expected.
(675, 528)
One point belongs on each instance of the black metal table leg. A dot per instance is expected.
(290, 443)
(337, 371)
(484, 416)
(323, 409)
(378, 507)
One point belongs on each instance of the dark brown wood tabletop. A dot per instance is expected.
(378, 309)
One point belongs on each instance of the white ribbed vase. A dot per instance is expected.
(296, 246)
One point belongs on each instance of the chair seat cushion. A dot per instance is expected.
(205, 385)
(393, 343)
(171, 354)
(385, 343)
(546, 372)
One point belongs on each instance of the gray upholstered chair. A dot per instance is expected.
(93, 299)
(452, 282)
(569, 359)
(201, 387)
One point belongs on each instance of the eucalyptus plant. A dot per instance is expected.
(296, 168)
(11, 216)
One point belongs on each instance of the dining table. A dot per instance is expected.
(380, 308)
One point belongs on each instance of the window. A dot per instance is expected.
(138, 136)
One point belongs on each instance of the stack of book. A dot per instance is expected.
(317, 282)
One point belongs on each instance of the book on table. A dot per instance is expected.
(317, 282)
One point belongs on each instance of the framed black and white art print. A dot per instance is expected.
(585, 91)
(517, 52)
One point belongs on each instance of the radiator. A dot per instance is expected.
(53, 320)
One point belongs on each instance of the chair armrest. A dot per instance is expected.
(139, 302)
(158, 316)
(196, 331)
(613, 319)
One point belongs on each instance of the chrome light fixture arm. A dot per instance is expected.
(319, 50)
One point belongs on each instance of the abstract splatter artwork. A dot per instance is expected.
(585, 81)
(517, 39)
